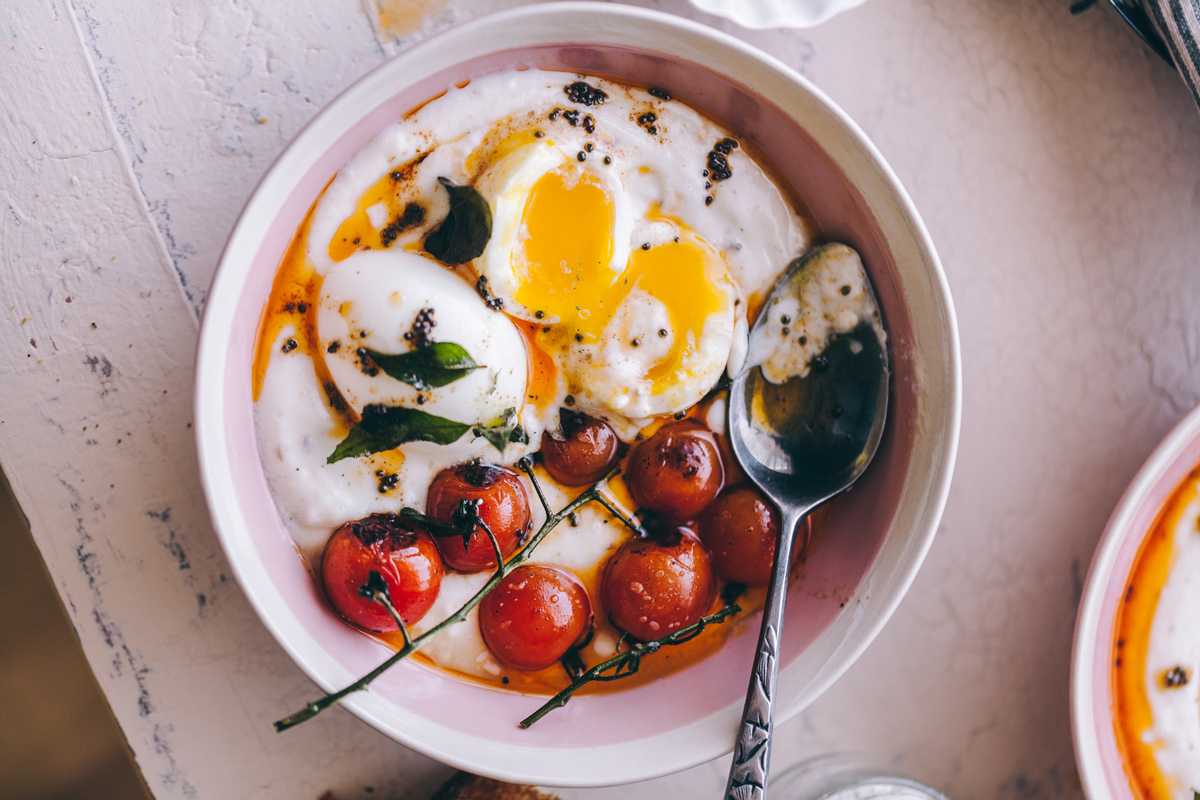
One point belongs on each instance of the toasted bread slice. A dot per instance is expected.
(465, 786)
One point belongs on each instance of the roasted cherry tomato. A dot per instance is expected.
(403, 554)
(676, 472)
(654, 586)
(740, 529)
(534, 616)
(583, 453)
(734, 474)
(497, 495)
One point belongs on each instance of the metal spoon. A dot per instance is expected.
(802, 442)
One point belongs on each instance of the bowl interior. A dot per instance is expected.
(1093, 693)
(879, 533)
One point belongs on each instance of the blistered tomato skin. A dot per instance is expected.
(534, 616)
(734, 474)
(404, 555)
(655, 586)
(676, 472)
(740, 529)
(503, 506)
(583, 453)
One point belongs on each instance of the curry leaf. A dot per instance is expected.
(504, 430)
(465, 231)
(387, 427)
(427, 367)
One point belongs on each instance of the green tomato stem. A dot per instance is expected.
(630, 660)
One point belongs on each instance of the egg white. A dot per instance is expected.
(370, 301)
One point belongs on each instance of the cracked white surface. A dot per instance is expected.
(1054, 159)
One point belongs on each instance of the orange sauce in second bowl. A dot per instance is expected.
(1133, 717)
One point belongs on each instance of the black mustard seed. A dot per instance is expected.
(585, 94)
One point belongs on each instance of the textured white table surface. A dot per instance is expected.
(1055, 161)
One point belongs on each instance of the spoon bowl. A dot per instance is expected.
(805, 440)
(802, 441)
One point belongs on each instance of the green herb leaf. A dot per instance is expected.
(427, 367)
(504, 430)
(466, 229)
(387, 427)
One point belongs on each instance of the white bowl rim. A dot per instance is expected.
(650, 759)
(766, 14)
(1120, 527)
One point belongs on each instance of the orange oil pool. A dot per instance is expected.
(1132, 712)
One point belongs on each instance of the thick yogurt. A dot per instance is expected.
(835, 297)
(649, 156)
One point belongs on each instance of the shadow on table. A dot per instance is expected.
(58, 738)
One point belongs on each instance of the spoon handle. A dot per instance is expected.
(752, 751)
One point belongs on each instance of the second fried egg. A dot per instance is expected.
(637, 310)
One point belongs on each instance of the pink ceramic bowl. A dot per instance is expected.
(870, 553)
(1092, 701)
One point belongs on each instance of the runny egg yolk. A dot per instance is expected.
(563, 263)
(675, 273)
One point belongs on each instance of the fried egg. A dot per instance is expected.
(638, 317)
(559, 229)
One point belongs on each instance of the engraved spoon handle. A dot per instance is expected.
(752, 750)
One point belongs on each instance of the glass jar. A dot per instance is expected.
(845, 776)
